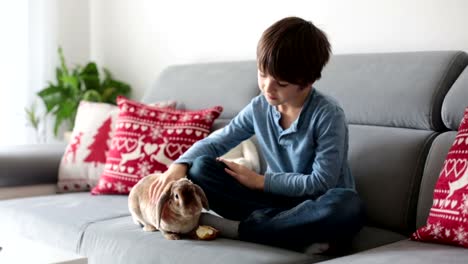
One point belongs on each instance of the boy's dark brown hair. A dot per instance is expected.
(293, 50)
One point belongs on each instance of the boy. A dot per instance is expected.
(307, 193)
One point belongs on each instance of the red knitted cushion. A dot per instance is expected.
(147, 140)
(85, 156)
(448, 219)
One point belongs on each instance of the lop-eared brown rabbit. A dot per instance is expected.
(175, 213)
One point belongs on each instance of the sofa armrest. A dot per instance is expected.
(27, 191)
(30, 164)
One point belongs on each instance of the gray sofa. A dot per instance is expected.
(403, 111)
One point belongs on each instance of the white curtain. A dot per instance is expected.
(42, 59)
(31, 32)
(14, 70)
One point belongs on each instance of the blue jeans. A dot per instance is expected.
(276, 220)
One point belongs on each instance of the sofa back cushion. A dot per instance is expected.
(393, 89)
(455, 102)
(387, 165)
(434, 164)
(195, 86)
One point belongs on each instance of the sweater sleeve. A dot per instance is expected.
(331, 149)
(240, 128)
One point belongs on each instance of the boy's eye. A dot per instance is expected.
(283, 84)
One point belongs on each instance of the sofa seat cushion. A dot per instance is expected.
(121, 241)
(58, 220)
(407, 251)
(372, 237)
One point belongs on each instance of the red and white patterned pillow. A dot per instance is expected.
(448, 219)
(147, 140)
(86, 153)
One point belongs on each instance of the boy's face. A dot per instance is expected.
(279, 92)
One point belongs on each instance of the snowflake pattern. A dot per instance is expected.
(461, 236)
(465, 118)
(156, 132)
(124, 108)
(102, 184)
(144, 168)
(142, 112)
(163, 116)
(437, 230)
(186, 118)
(119, 187)
(447, 233)
(428, 228)
(209, 118)
(464, 206)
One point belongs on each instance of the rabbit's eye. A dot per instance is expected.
(176, 196)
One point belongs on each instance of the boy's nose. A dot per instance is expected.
(268, 85)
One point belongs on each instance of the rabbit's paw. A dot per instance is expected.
(172, 236)
(149, 228)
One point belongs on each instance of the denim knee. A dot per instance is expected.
(349, 208)
(345, 201)
(205, 168)
(199, 168)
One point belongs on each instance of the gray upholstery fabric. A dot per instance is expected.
(29, 164)
(121, 241)
(407, 252)
(372, 237)
(397, 89)
(434, 163)
(229, 84)
(58, 220)
(455, 102)
(387, 164)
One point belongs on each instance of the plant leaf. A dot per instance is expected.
(62, 61)
(51, 96)
(112, 89)
(70, 82)
(90, 77)
(92, 96)
(32, 116)
(65, 111)
(107, 74)
(58, 75)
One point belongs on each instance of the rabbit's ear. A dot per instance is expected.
(165, 196)
(199, 191)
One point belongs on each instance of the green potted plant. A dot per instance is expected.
(61, 99)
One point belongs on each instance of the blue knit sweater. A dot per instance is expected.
(304, 160)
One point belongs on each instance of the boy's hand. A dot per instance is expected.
(244, 175)
(174, 172)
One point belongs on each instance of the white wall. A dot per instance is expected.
(54, 23)
(137, 39)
